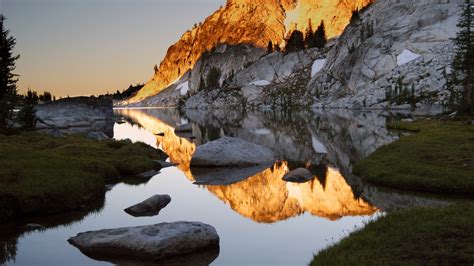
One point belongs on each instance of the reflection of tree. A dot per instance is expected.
(8, 248)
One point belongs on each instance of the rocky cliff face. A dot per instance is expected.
(254, 22)
(396, 47)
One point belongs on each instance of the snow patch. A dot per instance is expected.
(406, 56)
(262, 131)
(183, 88)
(318, 146)
(260, 83)
(317, 66)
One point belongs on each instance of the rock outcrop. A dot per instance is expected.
(149, 207)
(147, 243)
(247, 22)
(76, 115)
(262, 83)
(398, 49)
(229, 151)
(299, 175)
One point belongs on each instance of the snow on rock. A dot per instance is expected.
(318, 146)
(406, 56)
(317, 66)
(262, 131)
(183, 88)
(260, 83)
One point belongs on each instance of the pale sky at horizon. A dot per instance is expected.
(84, 47)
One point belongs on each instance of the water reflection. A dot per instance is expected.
(259, 193)
(9, 234)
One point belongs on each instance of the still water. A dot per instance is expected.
(260, 218)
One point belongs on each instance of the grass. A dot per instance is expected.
(40, 174)
(428, 236)
(438, 156)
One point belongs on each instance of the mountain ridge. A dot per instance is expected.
(247, 22)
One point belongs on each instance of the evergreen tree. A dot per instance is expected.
(320, 36)
(213, 78)
(355, 16)
(295, 42)
(309, 37)
(27, 117)
(8, 80)
(270, 47)
(202, 84)
(463, 63)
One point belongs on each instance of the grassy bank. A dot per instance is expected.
(441, 236)
(40, 174)
(436, 157)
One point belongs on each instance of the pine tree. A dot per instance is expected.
(202, 84)
(320, 36)
(309, 38)
(295, 42)
(463, 63)
(270, 47)
(8, 80)
(27, 115)
(213, 78)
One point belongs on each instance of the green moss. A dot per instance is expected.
(429, 236)
(436, 157)
(41, 174)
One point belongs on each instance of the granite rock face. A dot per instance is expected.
(76, 115)
(242, 22)
(147, 243)
(396, 47)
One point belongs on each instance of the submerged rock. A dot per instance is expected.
(147, 243)
(149, 207)
(229, 151)
(299, 175)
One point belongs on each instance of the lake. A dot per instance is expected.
(260, 218)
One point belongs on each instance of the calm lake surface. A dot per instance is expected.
(260, 218)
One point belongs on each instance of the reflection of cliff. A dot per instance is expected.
(178, 149)
(337, 137)
(266, 198)
(263, 197)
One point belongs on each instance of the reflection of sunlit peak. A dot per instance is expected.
(265, 197)
(178, 149)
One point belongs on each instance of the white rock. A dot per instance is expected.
(317, 66)
(150, 242)
(183, 88)
(260, 83)
(229, 151)
(406, 56)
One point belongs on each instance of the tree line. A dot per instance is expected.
(298, 40)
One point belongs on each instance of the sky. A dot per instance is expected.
(89, 47)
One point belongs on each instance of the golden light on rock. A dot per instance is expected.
(264, 197)
(248, 22)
